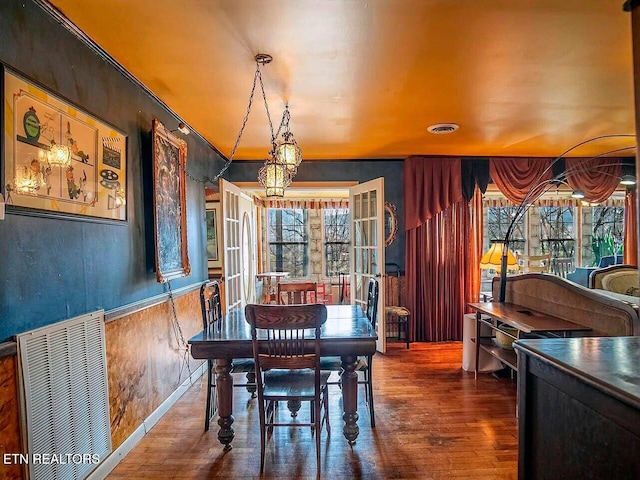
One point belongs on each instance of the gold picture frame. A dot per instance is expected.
(91, 187)
(170, 210)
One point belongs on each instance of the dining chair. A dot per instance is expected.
(536, 263)
(301, 293)
(562, 266)
(365, 363)
(287, 360)
(211, 306)
(395, 313)
(290, 293)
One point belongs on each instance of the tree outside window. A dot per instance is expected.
(337, 239)
(288, 240)
(497, 222)
(556, 231)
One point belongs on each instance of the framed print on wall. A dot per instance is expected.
(214, 259)
(169, 191)
(58, 159)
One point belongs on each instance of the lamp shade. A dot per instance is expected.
(492, 258)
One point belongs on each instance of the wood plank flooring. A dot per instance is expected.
(433, 421)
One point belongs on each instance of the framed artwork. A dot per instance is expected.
(91, 185)
(169, 188)
(214, 259)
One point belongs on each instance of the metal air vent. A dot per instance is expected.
(443, 128)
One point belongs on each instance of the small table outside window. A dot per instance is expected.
(271, 280)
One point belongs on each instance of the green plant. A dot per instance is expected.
(605, 245)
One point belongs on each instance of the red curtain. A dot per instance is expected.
(596, 177)
(441, 253)
(431, 185)
(516, 176)
(476, 246)
(630, 228)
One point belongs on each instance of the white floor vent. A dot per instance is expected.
(63, 376)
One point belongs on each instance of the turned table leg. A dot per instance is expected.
(350, 399)
(224, 384)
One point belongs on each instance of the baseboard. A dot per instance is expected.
(112, 461)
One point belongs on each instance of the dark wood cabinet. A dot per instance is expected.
(579, 408)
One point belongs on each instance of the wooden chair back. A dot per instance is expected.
(562, 266)
(373, 290)
(297, 293)
(211, 304)
(536, 263)
(286, 336)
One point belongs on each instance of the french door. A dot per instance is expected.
(239, 240)
(366, 205)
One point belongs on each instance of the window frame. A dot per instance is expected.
(306, 243)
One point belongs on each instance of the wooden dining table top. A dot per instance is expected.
(347, 331)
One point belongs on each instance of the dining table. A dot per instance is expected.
(347, 333)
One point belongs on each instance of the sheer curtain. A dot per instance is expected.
(441, 251)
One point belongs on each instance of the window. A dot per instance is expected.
(337, 240)
(288, 240)
(607, 234)
(556, 231)
(498, 220)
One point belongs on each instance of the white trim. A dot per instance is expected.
(112, 461)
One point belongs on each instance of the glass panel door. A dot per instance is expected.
(366, 202)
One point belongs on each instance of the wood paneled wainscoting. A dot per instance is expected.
(433, 421)
(145, 365)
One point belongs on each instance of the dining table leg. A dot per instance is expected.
(350, 399)
(224, 384)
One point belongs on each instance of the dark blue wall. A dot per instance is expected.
(341, 171)
(51, 268)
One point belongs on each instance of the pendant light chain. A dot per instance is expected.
(257, 77)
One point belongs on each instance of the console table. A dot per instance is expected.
(524, 319)
(579, 408)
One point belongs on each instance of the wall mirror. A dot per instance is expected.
(390, 223)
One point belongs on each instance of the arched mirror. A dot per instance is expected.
(390, 223)
(247, 255)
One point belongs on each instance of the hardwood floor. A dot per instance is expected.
(433, 421)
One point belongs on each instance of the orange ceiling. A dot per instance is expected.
(364, 78)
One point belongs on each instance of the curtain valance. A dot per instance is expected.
(307, 203)
(516, 177)
(596, 177)
(431, 186)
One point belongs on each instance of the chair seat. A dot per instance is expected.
(292, 383)
(243, 365)
(331, 363)
(362, 364)
(399, 311)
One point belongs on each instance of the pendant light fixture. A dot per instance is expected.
(287, 150)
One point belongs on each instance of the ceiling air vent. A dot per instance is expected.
(443, 128)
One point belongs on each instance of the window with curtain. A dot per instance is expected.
(337, 238)
(557, 231)
(288, 240)
(563, 227)
(497, 221)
